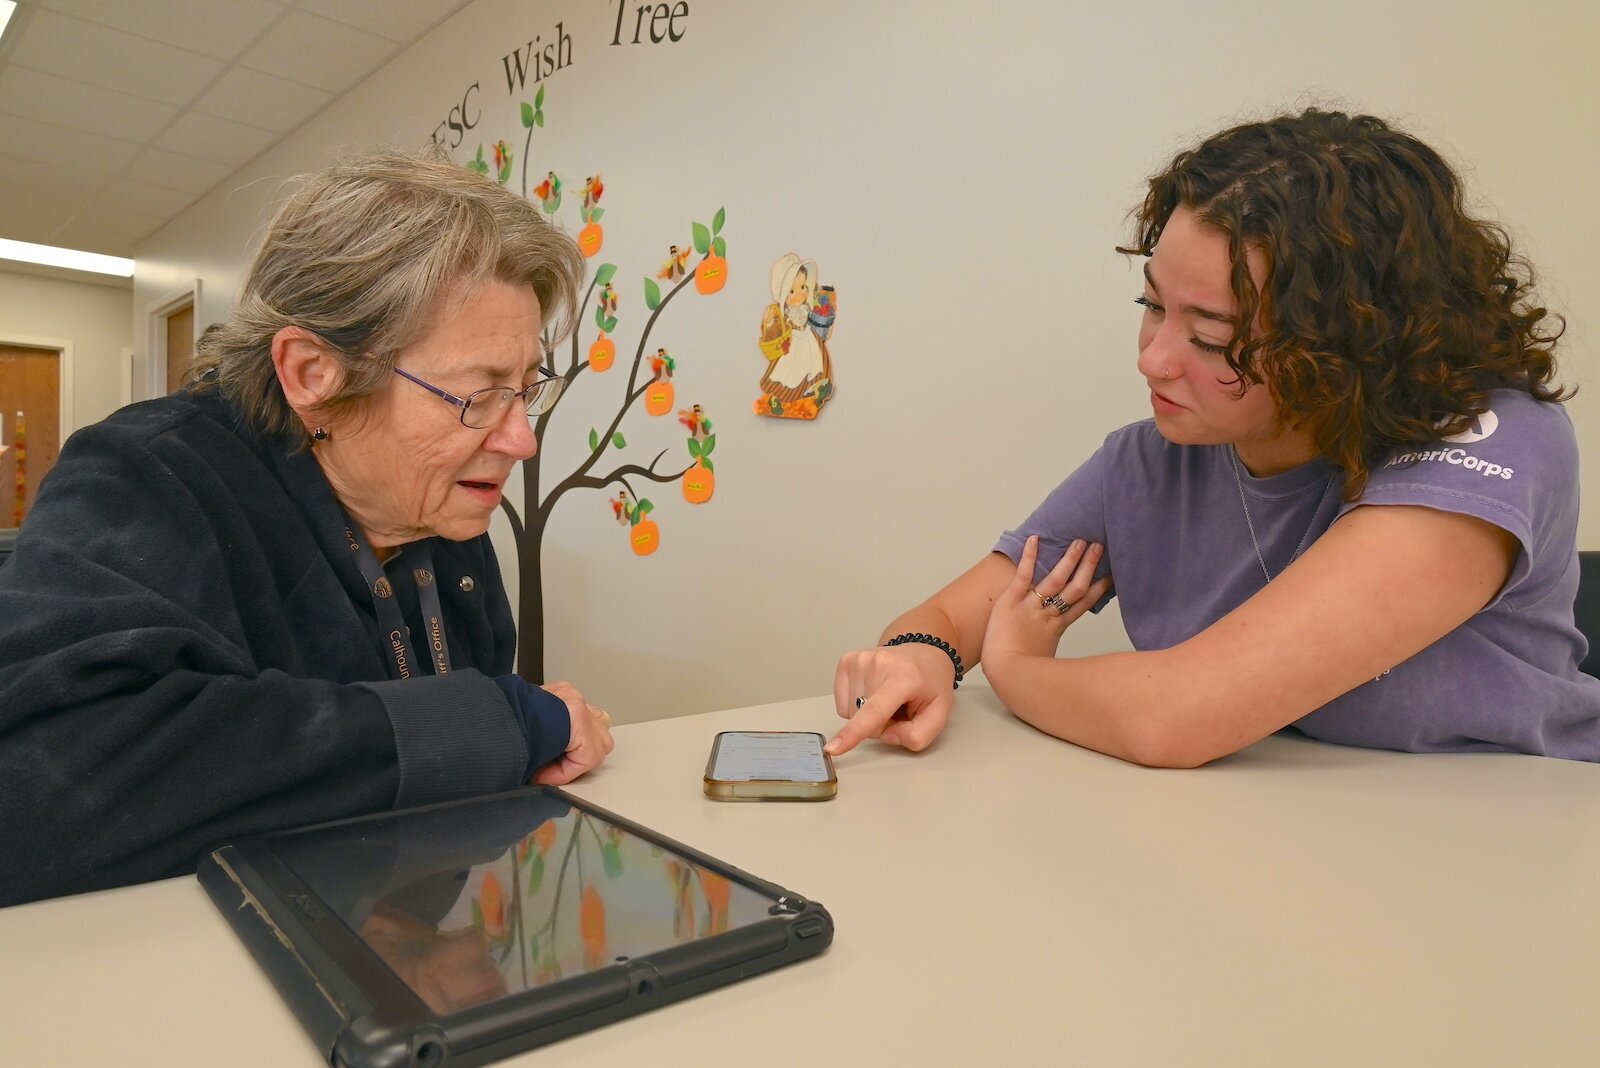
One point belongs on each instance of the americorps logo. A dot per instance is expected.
(1482, 427)
(1477, 430)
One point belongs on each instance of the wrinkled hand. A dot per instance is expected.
(908, 690)
(588, 744)
(1022, 623)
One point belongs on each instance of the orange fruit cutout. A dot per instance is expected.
(658, 398)
(698, 484)
(544, 836)
(718, 891)
(602, 352)
(493, 904)
(712, 274)
(646, 537)
(592, 926)
(590, 238)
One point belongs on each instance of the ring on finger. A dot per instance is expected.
(1043, 600)
(859, 702)
(1055, 601)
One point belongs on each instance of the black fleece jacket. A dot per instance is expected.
(188, 653)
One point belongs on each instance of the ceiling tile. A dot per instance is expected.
(132, 198)
(222, 30)
(36, 199)
(316, 51)
(104, 112)
(40, 230)
(398, 20)
(172, 171)
(218, 140)
(112, 236)
(19, 174)
(261, 100)
(112, 59)
(72, 150)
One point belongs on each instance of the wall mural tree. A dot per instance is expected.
(649, 385)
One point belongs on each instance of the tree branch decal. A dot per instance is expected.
(649, 384)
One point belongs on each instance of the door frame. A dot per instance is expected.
(156, 314)
(64, 348)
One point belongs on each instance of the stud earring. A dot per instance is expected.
(321, 433)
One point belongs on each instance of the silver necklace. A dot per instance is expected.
(1238, 480)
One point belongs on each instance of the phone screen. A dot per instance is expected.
(792, 756)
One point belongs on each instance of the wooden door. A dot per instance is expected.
(180, 346)
(30, 400)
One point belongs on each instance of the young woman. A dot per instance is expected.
(1354, 509)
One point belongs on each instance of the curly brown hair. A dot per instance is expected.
(1388, 312)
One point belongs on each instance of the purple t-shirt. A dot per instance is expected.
(1179, 548)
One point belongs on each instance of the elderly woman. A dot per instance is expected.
(1354, 510)
(270, 599)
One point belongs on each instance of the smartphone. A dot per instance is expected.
(770, 766)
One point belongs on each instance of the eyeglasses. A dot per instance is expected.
(483, 408)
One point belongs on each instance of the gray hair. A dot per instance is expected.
(364, 255)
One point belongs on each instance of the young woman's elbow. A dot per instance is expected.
(1164, 746)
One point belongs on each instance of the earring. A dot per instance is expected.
(320, 434)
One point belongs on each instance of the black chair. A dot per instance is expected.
(1587, 609)
(8, 538)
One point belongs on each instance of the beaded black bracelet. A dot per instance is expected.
(937, 643)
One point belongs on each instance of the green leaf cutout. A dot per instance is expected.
(652, 294)
(694, 448)
(538, 98)
(595, 213)
(505, 171)
(611, 325)
(702, 239)
(645, 506)
(619, 441)
(719, 245)
(538, 119)
(611, 857)
(535, 873)
(552, 205)
(705, 462)
(600, 318)
(605, 273)
(707, 445)
(527, 115)
(716, 223)
(594, 440)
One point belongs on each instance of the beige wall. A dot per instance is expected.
(961, 173)
(93, 318)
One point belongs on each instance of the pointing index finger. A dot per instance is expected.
(869, 720)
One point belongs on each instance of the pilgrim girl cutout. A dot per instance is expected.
(794, 339)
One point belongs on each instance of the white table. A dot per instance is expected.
(1001, 899)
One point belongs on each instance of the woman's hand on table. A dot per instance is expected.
(905, 693)
(589, 741)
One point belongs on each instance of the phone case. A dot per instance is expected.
(360, 1013)
(768, 789)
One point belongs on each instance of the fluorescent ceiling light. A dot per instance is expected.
(51, 256)
(6, 8)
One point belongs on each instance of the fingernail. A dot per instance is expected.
(832, 747)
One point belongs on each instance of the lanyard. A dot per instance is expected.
(396, 642)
